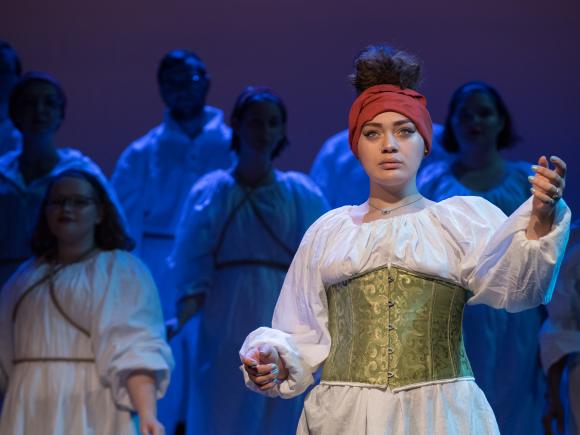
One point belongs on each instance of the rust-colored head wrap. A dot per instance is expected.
(389, 98)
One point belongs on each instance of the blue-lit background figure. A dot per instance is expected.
(237, 236)
(478, 127)
(10, 71)
(153, 178)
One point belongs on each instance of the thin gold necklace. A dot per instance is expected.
(386, 210)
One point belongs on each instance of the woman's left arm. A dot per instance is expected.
(142, 391)
(547, 188)
(127, 331)
(512, 263)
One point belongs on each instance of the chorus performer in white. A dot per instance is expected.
(82, 347)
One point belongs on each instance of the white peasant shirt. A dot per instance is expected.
(465, 240)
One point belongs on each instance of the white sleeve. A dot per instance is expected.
(560, 334)
(309, 200)
(300, 325)
(319, 172)
(127, 327)
(505, 269)
(429, 180)
(128, 182)
(325, 166)
(192, 259)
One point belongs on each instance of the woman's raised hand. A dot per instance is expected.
(264, 366)
(547, 189)
(547, 185)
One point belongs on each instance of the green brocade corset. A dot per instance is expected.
(394, 328)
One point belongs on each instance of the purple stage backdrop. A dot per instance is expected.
(106, 52)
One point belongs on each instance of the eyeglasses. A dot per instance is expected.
(74, 202)
(179, 81)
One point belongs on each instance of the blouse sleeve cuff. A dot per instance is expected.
(157, 365)
(299, 376)
(519, 219)
(516, 273)
(548, 249)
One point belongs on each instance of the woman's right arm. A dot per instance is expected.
(192, 259)
(299, 335)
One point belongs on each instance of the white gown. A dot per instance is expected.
(560, 335)
(10, 137)
(465, 240)
(236, 250)
(153, 178)
(20, 204)
(495, 338)
(340, 175)
(112, 297)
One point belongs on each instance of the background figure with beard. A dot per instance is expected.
(10, 70)
(477, 128)
(82, 347)
(375, 294)
(37, 108)
(237, 235)
(560, 345)
(154, 175)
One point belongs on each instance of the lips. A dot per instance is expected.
(65, 219)
(390, 164)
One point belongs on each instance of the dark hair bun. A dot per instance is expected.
(383, 65)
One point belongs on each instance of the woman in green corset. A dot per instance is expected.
(375, 293)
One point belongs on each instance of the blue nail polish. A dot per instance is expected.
(535, 167)
(531, 178)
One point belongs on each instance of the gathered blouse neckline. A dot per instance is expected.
(350, 218)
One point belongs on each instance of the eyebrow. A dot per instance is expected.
(396, 123)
